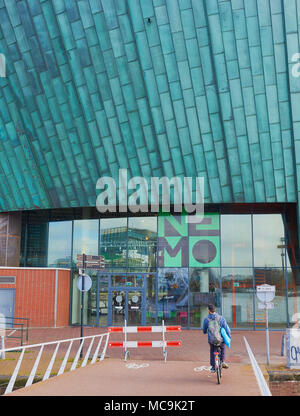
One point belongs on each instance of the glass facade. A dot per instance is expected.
(162, 267)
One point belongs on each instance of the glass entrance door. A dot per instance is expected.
(126, 303)
(134, 305)
(117, 304)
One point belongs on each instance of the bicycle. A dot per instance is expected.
(218, 365)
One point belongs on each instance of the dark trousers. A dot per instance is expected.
(213, 349)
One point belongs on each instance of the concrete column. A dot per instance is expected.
(10, 238)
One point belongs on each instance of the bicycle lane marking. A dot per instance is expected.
(136, 366)
(203, 367)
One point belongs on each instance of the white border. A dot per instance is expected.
(262, 384)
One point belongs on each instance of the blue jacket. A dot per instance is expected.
(222, 321)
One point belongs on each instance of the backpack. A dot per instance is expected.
(214, 332)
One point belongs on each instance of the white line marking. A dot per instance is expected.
(11, 332)
(262, 384)
(203, 367)
(136, 366)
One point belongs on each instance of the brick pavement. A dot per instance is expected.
(194, 350)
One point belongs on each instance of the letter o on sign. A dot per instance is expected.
(204, 251)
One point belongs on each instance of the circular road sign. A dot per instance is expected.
(265, 293)
(87, 283)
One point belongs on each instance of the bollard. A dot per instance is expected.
(283, 341)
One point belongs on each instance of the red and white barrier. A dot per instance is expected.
(131, 329)
(137, 344)
(142, 329)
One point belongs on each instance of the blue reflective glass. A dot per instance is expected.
(60, 244)
(85, 237)
(268, 237)
(236, 240)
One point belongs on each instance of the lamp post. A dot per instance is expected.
(283, 246)
(82, 299)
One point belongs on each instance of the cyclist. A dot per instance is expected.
(212, 315)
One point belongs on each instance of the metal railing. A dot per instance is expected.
(10, 320)
(61, 370)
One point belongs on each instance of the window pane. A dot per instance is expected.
(173, 296)
(113, 242)
(60, 244)
(236, 240)
(150, 300)
(204, 289)
(237, 297)
(142, 234)
(103, 299)
(37, 245)
(85, 237)
(268, 230)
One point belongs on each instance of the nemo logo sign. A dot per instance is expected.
(2, 66)
(188, 244)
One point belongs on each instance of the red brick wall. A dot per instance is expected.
(63, 298)
(35, 295)
(285, 388)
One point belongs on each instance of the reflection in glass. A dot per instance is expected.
(37, 245)
(204, 288)
(91, 295)
(85, 237)
(173, 286)
(103, 299)
(60, 244)
(142, 234)
(113, 242)
(236, 237)
(90, 300)
(150, 299)
(268, 231)
(237, 297)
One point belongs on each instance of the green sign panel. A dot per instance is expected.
(184, 244)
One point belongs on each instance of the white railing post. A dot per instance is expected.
(105, 348)
(97, 350)
(77, 355)
(48, 371)
(15, 373)
(34, 368)
(87, 353)
(65, 360)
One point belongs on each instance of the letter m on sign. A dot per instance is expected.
(173, 252)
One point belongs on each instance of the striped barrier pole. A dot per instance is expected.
(137, 344)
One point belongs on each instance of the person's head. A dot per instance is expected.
(211, 308)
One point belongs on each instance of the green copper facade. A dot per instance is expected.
(160, 87)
